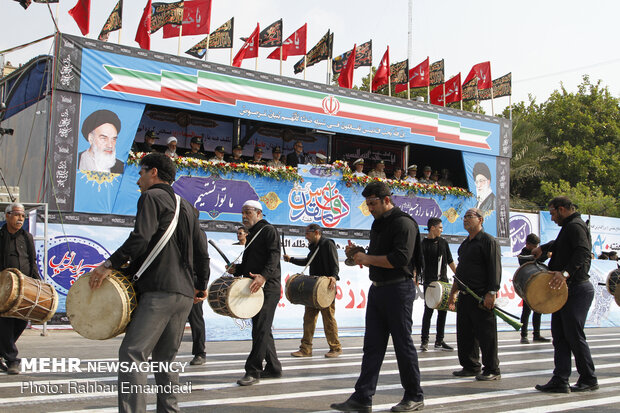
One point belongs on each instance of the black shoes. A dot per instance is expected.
(247, 380)
(524, 340)
(424, 346)
(12, 367)
(407, 406)
(541, 339)
(443, 346)
(198, 360)
(353, 406)
(584, 387)
(268, 374)
(2, 365)
(465, 373)
(488, 377)
(553, 387)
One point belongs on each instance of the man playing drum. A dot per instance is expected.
(261, 261)
(570, 263)
(325, 263)
(16, 251)
(480, 269)
(436, 253)
(393, 255)
(166, 290)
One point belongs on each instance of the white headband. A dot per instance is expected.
(253, 204)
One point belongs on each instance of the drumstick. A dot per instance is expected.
(283, 247)
(220, 251)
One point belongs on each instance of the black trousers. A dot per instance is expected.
(476, 330)
(10, 330)
(426, 323)
(568, 335)
(263, 346)
(197, 325)
(389, 311)
(525, 316)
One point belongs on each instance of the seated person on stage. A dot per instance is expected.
(379, 171)
(426, 177)
(297, 156)
(219, 155)
(171, 150)
(435, 177)
(398, 173)
(258, 156)
(445, 178)
(147, 145)
(324, 263)
(276, 162)
(412, 170)
(195, 149)
(237, 154)
(358, 165)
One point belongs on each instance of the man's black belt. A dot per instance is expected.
(392, 281)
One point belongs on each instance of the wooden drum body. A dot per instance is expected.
(613, 278)
(531, 282)
(102, 313)
(231, 296)
(311, 291)
(437, 295)
(26, 298)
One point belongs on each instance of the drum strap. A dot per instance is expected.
(310, 260)
(161, 243)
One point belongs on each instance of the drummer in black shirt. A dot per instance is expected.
(570, 263)
(393, 253)
(435, 250)
(476, 327)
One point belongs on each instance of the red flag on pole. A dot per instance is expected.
(294, 45)
(143, 35)
(418, 77)
(249, 48)
(196, 19)
(436, 95)
(346, 74)
(382, 75)
(483, 71)
(81, 14)
(453, 89)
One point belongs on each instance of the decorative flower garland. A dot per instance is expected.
(288, 173)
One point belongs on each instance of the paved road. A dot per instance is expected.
(311, 384)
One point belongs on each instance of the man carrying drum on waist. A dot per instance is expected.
(570, 263)
(16, 251)
(166, 290)
(261, 261)
(325, 263)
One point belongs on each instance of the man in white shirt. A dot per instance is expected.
(358, 164)
(411, 172)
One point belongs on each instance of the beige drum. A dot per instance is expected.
(102, 313)
(613, 278)
(26, 298)
(531, 282)
(311, 291)
(231, 296)
(437, 295)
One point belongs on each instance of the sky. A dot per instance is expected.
(543, 43)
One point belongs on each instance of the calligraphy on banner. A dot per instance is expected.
(325, 204)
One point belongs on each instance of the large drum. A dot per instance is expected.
(612, 284)
(26, 298)
(531, 282)
(437, 295)
(102, 313)
(231, 296)
(311, 291)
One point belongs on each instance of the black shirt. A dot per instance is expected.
(293, 159)
(480, 265)
(571, 250)
(432, 249)
(17, 251)
(196, 155)
(262, 256)
(326, 261)
(396, 235)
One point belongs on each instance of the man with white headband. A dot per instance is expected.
(261, 261)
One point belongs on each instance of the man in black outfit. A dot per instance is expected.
(436, 251)
(570, 263)
(16, 251)
(480, 269)
(531, 242)
(324, 263)
(261, 261)
(393, 253)
(166, 290)
(297, 156)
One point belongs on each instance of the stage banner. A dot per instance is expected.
(521, 225)
(75, 250)
(104, 137)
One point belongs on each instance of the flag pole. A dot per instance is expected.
(119, 35)
(510, 103)
(180, 35)
(492, 110)
(408, 88)
(280, 60)
(370, 77)
(207, 48)
(444, 94)
(305, 65)
(428, 92)
(390, 82)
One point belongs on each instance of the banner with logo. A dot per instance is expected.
(521, 225)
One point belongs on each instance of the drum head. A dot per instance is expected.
(617, 296)
(98, 314)
(324, 296)
(543, 299)
(241, 302)
(9, 289)
(612, 281)
(433, 294)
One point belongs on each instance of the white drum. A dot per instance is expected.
(231, 296)
(437, 295)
